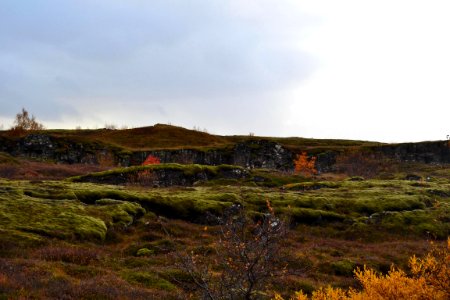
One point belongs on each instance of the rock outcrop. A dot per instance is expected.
(249, 154)
(164, 175)
(437, 152)
(252, 153)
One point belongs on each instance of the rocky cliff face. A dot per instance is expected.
(165, 176)
(249, 154)
(426, 152)
(254, 153)
(46, 147)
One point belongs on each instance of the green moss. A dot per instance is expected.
(343, 267)
(91, 196)
(144, 252)
(421, 222)
(271, 178)
(28, 213)
(313, 216)
(148, 280)
(306, 186)
(177, 275)
(50, 194)
(30, 208)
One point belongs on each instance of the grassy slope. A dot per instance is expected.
(159, 136)
(308, 144)
(162, 136)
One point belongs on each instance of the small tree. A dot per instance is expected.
(248, 257)
(24, 122)
(305, 165)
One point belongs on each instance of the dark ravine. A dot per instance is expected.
(253, 153)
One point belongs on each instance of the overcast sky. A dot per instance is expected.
(371, 70)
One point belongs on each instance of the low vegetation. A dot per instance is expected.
(86, 233)
(429, 279)
(163, 231)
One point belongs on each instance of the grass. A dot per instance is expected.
(159, 136)
(162, 136)
(90, 240)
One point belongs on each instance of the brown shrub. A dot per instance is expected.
(75, 255)
(365, 164)
(142, 178)
(30, 170)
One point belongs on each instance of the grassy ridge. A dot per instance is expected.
(161, 136)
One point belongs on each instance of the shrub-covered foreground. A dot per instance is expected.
(90, 241)
(429, 279)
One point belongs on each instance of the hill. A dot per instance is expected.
(162, 136)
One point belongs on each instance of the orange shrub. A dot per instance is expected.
(430, 280)
(305, 165)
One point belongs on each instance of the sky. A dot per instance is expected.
(350, 69)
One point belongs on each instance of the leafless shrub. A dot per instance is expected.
(110, 126)
(244, 261)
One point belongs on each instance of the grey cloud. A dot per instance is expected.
(57, 55)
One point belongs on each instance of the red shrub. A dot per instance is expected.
(151, 160)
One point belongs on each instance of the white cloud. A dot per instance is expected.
(384, 71)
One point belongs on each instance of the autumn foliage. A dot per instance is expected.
(429, 279)
(151, 160)
(25, 122)
(305, 165)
